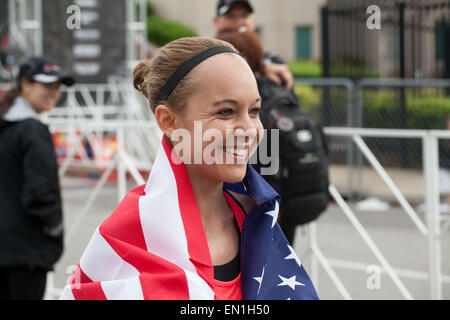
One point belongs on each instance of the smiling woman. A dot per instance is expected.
(202, 227)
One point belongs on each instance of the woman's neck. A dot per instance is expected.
(209, 195)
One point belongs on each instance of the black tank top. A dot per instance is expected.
(230, 270)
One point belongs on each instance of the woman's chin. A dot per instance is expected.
(235, 174)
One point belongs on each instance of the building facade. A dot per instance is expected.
(410, 41)
(291, 28)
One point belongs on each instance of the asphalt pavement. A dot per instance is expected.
(359, 271)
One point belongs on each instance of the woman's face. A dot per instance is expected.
(41, 96)
(222, 118)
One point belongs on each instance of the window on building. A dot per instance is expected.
(303, 42)
(258, 30)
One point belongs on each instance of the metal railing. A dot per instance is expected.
(122, 162)
(101, 104)
(332, 100)
(90, 110)
(417, 104)
(431, 228)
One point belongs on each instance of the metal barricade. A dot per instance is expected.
(415, 104)
(122, 161)
(90, 111)
(431, 228)
(331, 100)
(114, 101)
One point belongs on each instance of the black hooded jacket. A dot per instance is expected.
(30, 202)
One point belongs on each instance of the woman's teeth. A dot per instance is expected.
(237, 152)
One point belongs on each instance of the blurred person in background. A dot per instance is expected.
(302, 178)
(31, 228)
(250, 47)
(235, 14)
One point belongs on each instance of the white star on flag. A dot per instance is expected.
(274, 213)
(260, 279)
(291, 282)
(293, 256)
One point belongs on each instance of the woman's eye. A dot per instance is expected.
(225, 112)
(255, 111)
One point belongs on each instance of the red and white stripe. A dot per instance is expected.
(153, 246)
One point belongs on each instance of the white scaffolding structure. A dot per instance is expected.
(25, 28)
(25, 25)
(136, 31)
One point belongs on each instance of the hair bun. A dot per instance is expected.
(140, 76)
(150, 76)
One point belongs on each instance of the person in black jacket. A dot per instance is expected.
(233, 15)
(304, 190)
(31, 229)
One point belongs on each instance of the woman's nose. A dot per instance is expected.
(246, 127)
(245, 123)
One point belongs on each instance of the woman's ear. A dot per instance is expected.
(166, 119)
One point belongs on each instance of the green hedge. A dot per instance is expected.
(381, 108)
(313, 69)
(162, 31)
(310, 99)
(426, 109)
(305, 69)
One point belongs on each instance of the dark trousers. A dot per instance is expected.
(22, 283)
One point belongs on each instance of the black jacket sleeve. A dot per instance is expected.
(40, 193)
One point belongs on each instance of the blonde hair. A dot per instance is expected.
(151, 75)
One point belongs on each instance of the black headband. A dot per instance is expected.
(186, 67)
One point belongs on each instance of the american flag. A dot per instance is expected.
(153, 245)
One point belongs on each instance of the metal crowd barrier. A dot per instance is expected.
(430, 228)
(115, 108)
(122, 161)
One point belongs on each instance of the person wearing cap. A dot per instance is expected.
(239, 14)
(31, 226)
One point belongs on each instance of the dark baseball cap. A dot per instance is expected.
(224, 5)
(43, 69)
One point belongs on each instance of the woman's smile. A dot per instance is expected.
(239, 155)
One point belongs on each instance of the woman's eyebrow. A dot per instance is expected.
(232, 101)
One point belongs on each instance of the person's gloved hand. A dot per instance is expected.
(279, 74)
